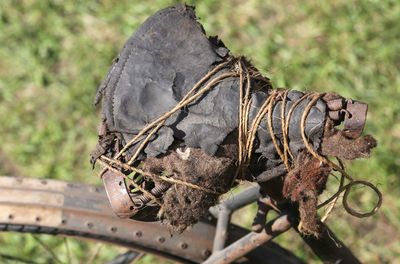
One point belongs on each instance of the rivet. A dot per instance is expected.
(113, 229)
(64, 221)
(90, 225)
(38, 219)
(161, 239)
(138, 233)
(184, 245)
(10, 216)
(206, 253)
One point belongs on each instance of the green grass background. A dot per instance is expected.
(54, 54)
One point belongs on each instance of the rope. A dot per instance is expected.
(286, 149)
(336, 167)
(333, 202)
(153, 127)
(246, 135)
(167, 179)
(130, 180)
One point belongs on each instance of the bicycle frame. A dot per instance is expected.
(327, 247)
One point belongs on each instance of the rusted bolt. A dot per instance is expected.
(206, 253)
(90, 225)
(10, 216)
(38, 219)
(161, 239)
(138, 233)
(184, 245)
(113, 229)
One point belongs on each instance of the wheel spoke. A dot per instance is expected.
(5, 257)
(47, 248)
(67, 248)
(95, 254)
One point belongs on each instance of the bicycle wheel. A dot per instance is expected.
(82, 211)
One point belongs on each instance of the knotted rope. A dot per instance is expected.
(153, 127)
(246, 135)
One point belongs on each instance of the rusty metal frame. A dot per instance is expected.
(251, 241)
(327, 247)
(224, 210)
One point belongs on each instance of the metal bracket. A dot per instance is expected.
(354, 121)
(353, 113)
(118, 195)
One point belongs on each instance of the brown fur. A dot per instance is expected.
(335, 143)
(303, 184)
(308, 213)
(182, 205)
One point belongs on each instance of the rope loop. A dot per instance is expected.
(354, 212)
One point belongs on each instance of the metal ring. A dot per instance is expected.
(354, 212)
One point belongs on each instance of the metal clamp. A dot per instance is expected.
(353, 113)
(117, 193)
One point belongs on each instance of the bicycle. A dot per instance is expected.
(82, 211)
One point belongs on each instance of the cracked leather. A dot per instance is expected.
(167, 55)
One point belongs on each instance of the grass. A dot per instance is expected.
(54, 54)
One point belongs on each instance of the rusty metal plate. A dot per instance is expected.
(354, 122)
(118, 195)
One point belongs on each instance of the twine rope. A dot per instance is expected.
(164, 178)
(155, 126)
(246, 136)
